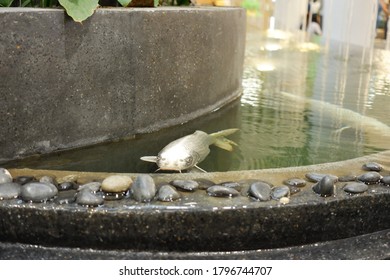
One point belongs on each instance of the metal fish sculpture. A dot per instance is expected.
(186, 152)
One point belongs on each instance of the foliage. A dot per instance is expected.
(79, 10)
(6, 3)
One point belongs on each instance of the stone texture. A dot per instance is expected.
(120, 67)
(116, 183)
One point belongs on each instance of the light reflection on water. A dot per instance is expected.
(274, 131)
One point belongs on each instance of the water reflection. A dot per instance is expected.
(275, 131)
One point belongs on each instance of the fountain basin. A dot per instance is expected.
(200, 223)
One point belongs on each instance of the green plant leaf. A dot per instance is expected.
(6, 3)
(79, 10)
(124, 3)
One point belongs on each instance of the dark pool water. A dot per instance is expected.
(275, 131)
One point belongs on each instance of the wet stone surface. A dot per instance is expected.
(370, 177)
(10, 190)
(167, 193)
(279, 192)
(326, 186)
(222, 191)
(260, 191)
(88, 198)
(295, 182)
(5, 176)
(38, 192)
(185, 185)
(144, 188)
(92, 192)
(355, 187)
(372, 166)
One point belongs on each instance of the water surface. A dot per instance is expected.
(274, 131)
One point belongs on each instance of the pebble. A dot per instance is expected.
(316, 177)
(347, 178)
(295, 182)
(10, 190)
(386, 180)
(294, 190)
(144, 188)
(204, 184)
(66, 197)
(284, 200)
(116, 184)
(167, 193)
(279, 192)
(185, 185)
(326, 186)
(88, 198)
(65, 186)
(260, 191)
(355, 187)
(233, 185)
(24, 179)
(38, 192)
(48, 180)
(92, 186)
(371, 177)
(372, 166)
(222, 191)
(5, 176)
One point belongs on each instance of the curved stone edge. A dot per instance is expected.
(274, 175)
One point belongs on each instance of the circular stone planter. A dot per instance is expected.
(204, 224)
(121, 72)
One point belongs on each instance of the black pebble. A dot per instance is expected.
(185, 185)
(372, 177)
(372, 166)
(386, 180)
(355, 187)
(279, 192)
(260, 191)
(325, 187)
(295, 182)
(24, 179)
(222, 191)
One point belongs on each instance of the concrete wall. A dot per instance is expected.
(121, 72)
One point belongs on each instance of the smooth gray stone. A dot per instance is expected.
(144, 188)
(295, 182)
(371, 177)
(326, 186)
(280, 191)
(48, 180)
(88, 198)
(38, 192)
(260, 191)
(234, 185)
(204, 184)
(347, 178)
(24, 179)
(316, 177)
(222, 191)
(185, 185)
(10, 190)
(92, 186)
(372, 166)
(355, 187)
(386, 180)
(168, 193)
(5, 176)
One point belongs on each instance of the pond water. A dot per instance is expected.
(279, 125)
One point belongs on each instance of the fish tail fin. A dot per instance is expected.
(220, 141)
